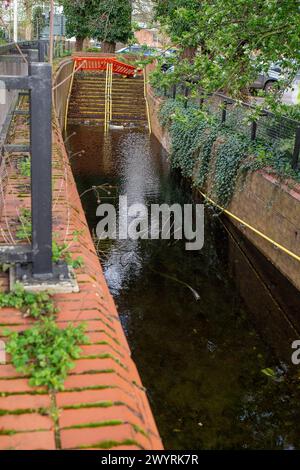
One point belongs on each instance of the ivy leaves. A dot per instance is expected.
(229, 157)
(205, 149)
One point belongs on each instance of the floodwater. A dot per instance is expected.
(204, 327)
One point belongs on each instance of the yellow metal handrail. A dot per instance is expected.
(108, 97)
(147, 104)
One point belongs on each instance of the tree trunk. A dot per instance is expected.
(108, 47)
(79, 44)
(86, 43)
(189, 53)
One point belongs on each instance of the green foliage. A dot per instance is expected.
(38, 21)
(24, 231)
(229, 157)
(93, 49)
(31, 304)
(111, 20)
(203, 148)
(291, 111)
(79, 15)
(232, 40)
(60, 251)
(25, 167)
(108, 20)
(46, 352)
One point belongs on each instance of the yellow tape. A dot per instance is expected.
(262, 235)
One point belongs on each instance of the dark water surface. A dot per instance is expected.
(201, 361)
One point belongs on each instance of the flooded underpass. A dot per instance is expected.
(211, 330)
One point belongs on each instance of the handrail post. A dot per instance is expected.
(186, 96)
(41, 169)
(224, 112)
(253, 130)
(174, 91)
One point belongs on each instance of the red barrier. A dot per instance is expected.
(100, 63)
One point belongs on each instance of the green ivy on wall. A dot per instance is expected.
(204, 149)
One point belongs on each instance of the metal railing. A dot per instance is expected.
(100, 63)
(279, 132)
(39, 48)
(34, 262)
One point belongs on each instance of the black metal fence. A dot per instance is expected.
(39, 49)
(35, 261)
(280, 132)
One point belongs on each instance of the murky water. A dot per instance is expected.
(201, 361)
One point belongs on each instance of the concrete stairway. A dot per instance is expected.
(128, 102)
(87, 102)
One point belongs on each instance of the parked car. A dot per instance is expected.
(139, 49)
(267, 81)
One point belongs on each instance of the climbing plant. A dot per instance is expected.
(204, 149)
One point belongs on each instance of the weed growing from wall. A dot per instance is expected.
(46, 352)
(60, 251)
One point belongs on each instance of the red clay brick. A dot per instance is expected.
(15, 386)
(28, 441)
(96, 396)
(26, 422)
(94, 350)
(20, 402)
(8, 371)
(88, 365)
(95, 380)
(81, 416)
(73, 438)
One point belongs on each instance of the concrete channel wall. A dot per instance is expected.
(62, 83)
(264, 202)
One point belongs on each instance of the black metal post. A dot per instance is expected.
(41, 46)
(186, 95)
(41, 168)
(253, 130)
(174, 92)
(31, 56)
(296, 153)
(224, 112)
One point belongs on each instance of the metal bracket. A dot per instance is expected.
(63, 279)
(15, 254)
(16, 148)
